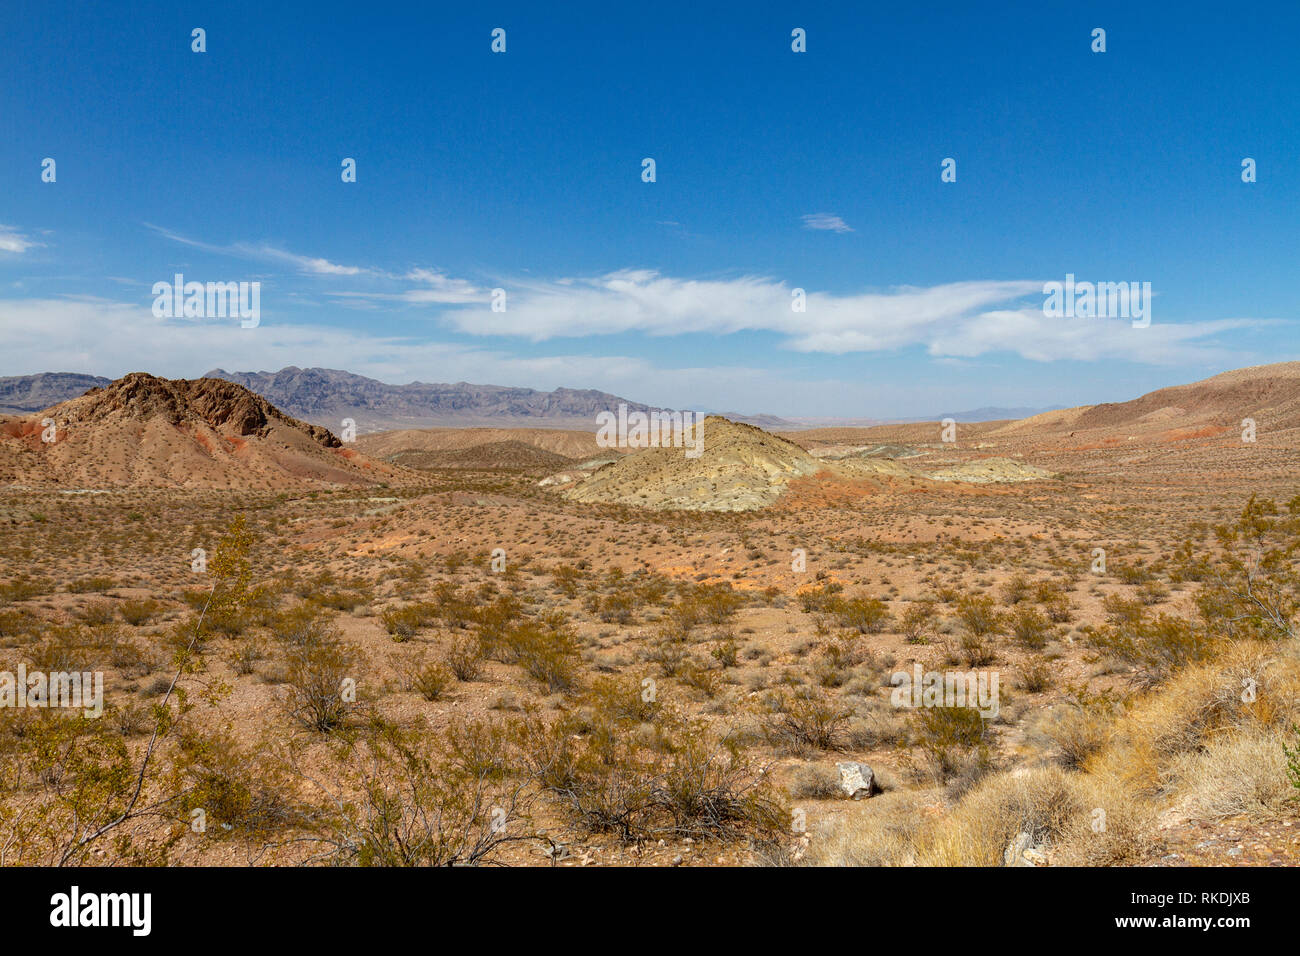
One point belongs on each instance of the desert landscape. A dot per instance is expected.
(504, 644)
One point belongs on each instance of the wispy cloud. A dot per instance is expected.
(309, 265)
(826, 222)
(956, 320)
(11, 240)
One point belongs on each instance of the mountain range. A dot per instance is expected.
(145, 431)
(323, 396)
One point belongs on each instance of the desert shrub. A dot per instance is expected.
(129, 719)
(315, 677)
(97, 612)
(821, 598)
(1130, 573)
(1030, 628)
(1254, 590)
(403, 623)
(918, 622)
(465, 658)
(68, 648)
(404, 800)
(650, 589)
(1054, 601)
(245, 655)
(238, 792)
(1154, 647)
(1016, 589)
(17, 624)
(623, 700)
(139, 611)
(566, 578)
(342, 600)
(679, 781)
(1292, 755)
(548, 652)
(495, 622)
(713, 604)
(1036, 676)
(23, 587)
(302, 625)
(431, 680)
(98, 583)
(196, 599)
(863, 614)
(671, 657)
(726, 653)
(1153, 592)
(457, 610)
(807, 720)
(616, 608)
(972, 650)
(948, 734)
(978, 614)
(703, 679)
(231, 569)
(65, 778)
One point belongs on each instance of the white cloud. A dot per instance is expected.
(11, 240)
(825, 221)
(958, 319)
(103, 337)
(951, 320)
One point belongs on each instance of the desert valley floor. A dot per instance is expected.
(636, 677)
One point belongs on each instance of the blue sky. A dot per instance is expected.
(522, 171)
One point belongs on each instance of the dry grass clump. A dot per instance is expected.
(1251, 692)
(1065, 813)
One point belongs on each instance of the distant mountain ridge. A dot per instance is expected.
(992, 413)
(325, 396)
(33, 393)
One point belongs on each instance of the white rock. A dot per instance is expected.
(857, 780)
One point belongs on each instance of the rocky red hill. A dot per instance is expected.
(144, 431)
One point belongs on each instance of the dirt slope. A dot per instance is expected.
(1270, 394)
(570, 443)
(490, 456)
